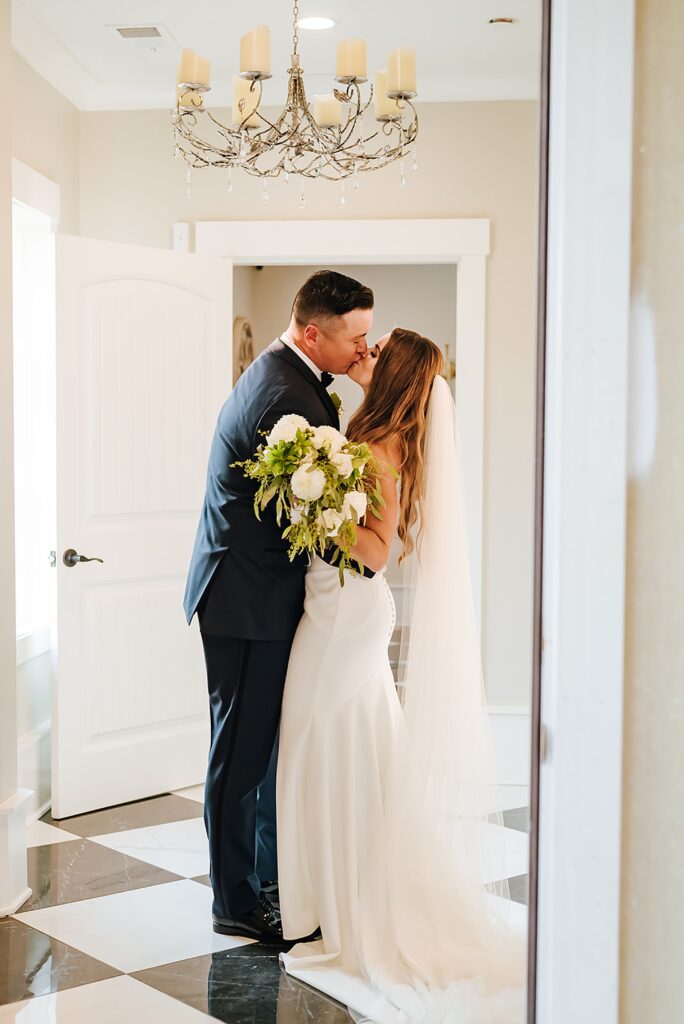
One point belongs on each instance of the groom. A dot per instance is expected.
(249, 597)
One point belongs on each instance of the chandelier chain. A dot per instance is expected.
(295, 27)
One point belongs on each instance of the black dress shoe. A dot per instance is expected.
(262, 924)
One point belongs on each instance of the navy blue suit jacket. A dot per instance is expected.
(241, 581)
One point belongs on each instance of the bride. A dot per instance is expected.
(385, 833)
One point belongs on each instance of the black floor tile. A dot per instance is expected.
(519, 889)
(244, 986)
(34, 964)
(517, 818)
(80, 870)
(156, 811)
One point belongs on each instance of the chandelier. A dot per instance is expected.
(338, 137)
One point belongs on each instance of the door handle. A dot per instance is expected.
(72, 558)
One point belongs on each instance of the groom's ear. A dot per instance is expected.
(311, 334)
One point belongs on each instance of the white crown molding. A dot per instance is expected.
(49, 58)
(54, 62)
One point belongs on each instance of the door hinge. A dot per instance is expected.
(544, 745)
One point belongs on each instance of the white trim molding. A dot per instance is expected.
(462, 242)
(33, 189)
(32, 644)
(14, 890)
(588, 265)
(34, 770)
(54, 61)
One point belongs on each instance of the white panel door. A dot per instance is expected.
(144, 363)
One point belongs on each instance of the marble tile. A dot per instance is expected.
(178, 846)
(515, 913)
(79, 870)
(119, 1000)
(517, 818)
(34, 964)
(508, 852)
(244, 986)
(204, 879)
(155, 811)
(42, 834)
(519, 888)
(139, 929)
(191, 793)
(511, 796)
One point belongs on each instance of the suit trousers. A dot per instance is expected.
(246, 680)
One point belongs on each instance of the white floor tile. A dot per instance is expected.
(116, 1001)
(42, 834)
(138, 929)
(178, 846)
(509, 797)
(507, 852)
(515, 913)
(192, 793)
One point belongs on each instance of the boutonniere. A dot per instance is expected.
(337, 402)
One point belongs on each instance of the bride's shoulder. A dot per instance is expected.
(388, 452)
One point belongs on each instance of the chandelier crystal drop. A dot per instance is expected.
(329, 138)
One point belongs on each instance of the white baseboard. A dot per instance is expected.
(34, 769)
(13, 888)
(510, 727)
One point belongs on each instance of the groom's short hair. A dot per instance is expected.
(326, 294)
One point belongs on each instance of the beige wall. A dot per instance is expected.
(8, 693)
(45, 135)
(420, 297)
(119, 181)
(652, 988)
(476, 160)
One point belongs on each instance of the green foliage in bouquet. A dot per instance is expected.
(323, 486)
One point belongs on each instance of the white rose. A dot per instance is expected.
(308, 484)
(330, 438)
(286, 428)
(298, 511)
(342, 463)
(355, 502)
(332, 521)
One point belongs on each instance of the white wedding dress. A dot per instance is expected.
(382, 807)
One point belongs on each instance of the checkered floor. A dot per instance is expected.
(118, 929)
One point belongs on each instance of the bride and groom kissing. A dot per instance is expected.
(307, 728)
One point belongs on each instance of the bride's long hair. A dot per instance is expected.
(395, 407)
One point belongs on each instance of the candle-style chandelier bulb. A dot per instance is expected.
(327, 139)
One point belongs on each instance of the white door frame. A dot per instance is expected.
(464, 243)
(583, 568)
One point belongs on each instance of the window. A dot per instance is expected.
(34, 413)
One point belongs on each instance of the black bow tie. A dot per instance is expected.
(327, 379)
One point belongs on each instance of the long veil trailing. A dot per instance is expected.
(442, 688)
(431, 939)
(442, 840)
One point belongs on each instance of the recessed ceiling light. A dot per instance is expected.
(316, 24)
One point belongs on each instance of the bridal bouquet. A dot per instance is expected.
(322, 484)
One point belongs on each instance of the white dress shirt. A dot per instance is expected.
(287, 340)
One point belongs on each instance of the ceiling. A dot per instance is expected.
(75, 45)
